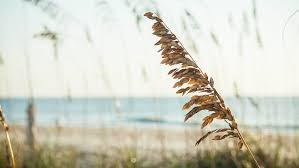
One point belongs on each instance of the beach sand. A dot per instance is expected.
(149, 144)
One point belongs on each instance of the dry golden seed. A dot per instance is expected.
(174, 56)
(177, 84)
(164, 60)
(160, 50)
(205, 90)
(207, 121)
(182, 60)
(177, 73)
(222, 130)
(184, 80)
(168, 44)
(206, 76)
(183, 91)
(175, 52)
(190, 63)
(195, 97)
(196, 75)
(169, 62)
(192, 90)
(195, 70)
(187, 105)
(186, 75)
(195, 86)
(156, 25)
(194, 111)
(159, 26)
(166, 47)
(160, 33)
(168, 37)
(222, 115)
(174, 44)
(198, 89)
(198, 82)
(163, 46)
(157, 19)
(184, 65)
(178, 50)
(189, 75)
(215, 115)
(217, 137)
(207, 118)
(225, 136)
(166, 51)
(161, 29)
(165, 40)
(185, 71)
(158, 43)
(204, 137)
(198, 86)
(149, 15)
(177, 55)
(175, 62)
(172, 71)
(166, 55)
(180, 91)
(205, 98)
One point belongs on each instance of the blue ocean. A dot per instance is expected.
(255, 112)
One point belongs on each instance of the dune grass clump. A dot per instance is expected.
(45, 156)
(192, 80)
(64, 156)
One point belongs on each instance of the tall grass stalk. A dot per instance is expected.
(192, 80)
(8, 142)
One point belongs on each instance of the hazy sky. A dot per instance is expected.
(121, 59)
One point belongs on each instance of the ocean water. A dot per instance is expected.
(258, 112)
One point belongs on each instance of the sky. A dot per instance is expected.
(102, 51)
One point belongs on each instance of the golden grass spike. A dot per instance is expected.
(187, 72)
(6, 128)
